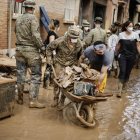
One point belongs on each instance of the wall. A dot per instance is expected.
(111, 6)
(3, 24)
(55, 9)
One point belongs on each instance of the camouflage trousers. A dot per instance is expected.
(32, 61)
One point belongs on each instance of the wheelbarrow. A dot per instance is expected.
(78, 109)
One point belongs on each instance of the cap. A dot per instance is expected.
(73, 31)
(85, 23)
(98, 19)
(29, 3)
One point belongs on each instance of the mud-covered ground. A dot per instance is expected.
(117, 119)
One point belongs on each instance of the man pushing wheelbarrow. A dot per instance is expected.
(99, 59)
(77, 85)
(68, 51)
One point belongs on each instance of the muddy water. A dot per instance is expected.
(131, 115)
(117, 119)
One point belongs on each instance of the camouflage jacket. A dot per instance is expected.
(27, 32)
(64, 55)
(97, 34)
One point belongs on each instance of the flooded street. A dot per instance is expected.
(117, 119)
(131, 115)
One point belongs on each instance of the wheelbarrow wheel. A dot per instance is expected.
(69, 114)
(86, 112)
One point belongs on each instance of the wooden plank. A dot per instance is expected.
(6, 80)
(6, 61)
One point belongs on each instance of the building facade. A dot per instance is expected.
(67, 11)
(134, 11)
(4, 24)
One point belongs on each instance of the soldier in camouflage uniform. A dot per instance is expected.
(68, 50)
(96, 34)
(85, 28)
(28, 45)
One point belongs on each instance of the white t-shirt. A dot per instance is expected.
(112, 41)
(132, 36)
(137, 31)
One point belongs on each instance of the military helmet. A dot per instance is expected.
(29, 3)
(73, 31)
(99, 19)
(85, 23)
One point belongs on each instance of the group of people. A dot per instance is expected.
(72, 49)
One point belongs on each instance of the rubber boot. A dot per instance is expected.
(124, 88)
(35, 104)
(34, 92)
(120, 86)
(19, 89)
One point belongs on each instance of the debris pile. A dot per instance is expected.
(7, 68)
(73, 74)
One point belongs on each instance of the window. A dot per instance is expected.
(69, 13)
(17, 9)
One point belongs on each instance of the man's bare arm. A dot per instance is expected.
(102, 74)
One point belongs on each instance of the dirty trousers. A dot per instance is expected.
(31, 60)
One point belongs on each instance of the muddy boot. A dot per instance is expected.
(35, 104)
(120, 86)
(124, 88)
(55, 102)
(19, 90)
(34, 92)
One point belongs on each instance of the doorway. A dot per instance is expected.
(120, 16)
(99, 11)
(84, 10)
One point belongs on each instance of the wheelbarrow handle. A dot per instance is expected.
(54, 71)
(55, 76)
(57, 82)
